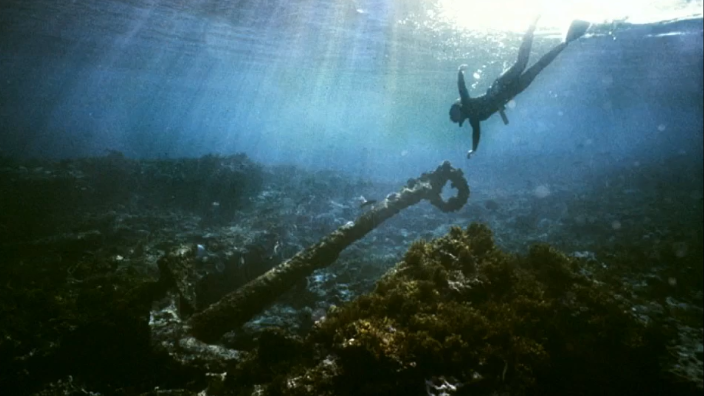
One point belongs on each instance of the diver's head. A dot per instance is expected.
(456, 112)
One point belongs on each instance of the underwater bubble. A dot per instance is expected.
(588, 142)
(560, 113)
(476, 75)
(672, 281)
(511, 104)
(636, 163)
(680, 249)
(541, 191)
(662, 127)
(616, 225)
(404, 153)
(607, 79)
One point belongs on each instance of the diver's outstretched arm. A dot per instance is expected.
(476, 135)
(526, 78)
(464, 94)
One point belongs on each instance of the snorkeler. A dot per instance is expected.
(509, 84)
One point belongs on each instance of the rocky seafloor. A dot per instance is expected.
(473, 302)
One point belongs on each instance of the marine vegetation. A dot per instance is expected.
(460, 316)
(86, 305)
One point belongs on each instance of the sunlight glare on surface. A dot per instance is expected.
(516, 15)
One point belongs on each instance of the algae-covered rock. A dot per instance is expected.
(485, 322)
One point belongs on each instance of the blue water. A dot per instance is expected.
(361, 87)
(602, 159)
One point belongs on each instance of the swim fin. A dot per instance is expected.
(576, 30)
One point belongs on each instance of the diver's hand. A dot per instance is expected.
(462, 67)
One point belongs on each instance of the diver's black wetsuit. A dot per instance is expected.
(512, 82)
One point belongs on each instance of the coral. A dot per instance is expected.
(458, 307)
(81, 242)
(95, 328)
(38, 202)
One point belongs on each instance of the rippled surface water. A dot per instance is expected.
(367, 36)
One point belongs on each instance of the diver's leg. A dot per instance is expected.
(523, 54)
(526, 78)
